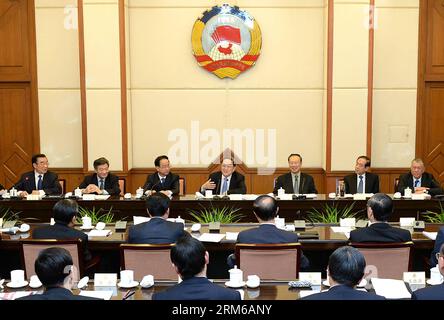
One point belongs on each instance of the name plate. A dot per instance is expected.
(347, 222)
(414, 277)
(33, 197)
(315, 278)
(105, 279)
(359, 196)
(406, 222)
(89, 197)
(299, 224)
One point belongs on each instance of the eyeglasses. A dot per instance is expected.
(438, 255)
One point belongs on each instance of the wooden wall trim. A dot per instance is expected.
(422, 52)
(329, 83)
(371, 38)
(123, 87)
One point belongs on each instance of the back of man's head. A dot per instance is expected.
(346, 266)
(52, 266)
(265, 207)
(157, 204)
(64, 210)
(188, 255)
(381, 205)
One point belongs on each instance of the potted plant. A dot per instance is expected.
(331, 213)
(100, 215)
(223, 215)
(434, 217)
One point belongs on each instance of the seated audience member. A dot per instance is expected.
(102, 181)
(2, 189)
(226, 181)
(55, 270)
(362, 181)
(379, 210)
(418, 180)
(190, 261)
(295, 181)
(265, 209)
(46, 182)
(65, 214)
(439, 241)
(158, 230)
(434, 292)
(163, 180)
(345, 270)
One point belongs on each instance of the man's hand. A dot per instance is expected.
(420, 190)
(209, 185)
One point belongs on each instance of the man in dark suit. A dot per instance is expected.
(102, 181)
(46, 182)
(54, 268)
(362, 181)
(418, 180)
(65, 213)
(265, 209)
(379, 210)
(435, 292)
(439, 241)
(226, 181)
(295, 181)
(158, 230)
(163, 180)
(190, 260)
(345, 270)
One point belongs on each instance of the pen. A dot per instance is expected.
(128, 294)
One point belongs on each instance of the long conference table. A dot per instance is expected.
(41, 210)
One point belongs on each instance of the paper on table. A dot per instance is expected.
(341, 229)
(390, 288)
(139, 219)
(99, 233)
(430, 235)
(249, 196)
(311, 195)
(305, 293)
(102, 196)
(105, 295)
(231, 235)
(211, 237)
(15, 294)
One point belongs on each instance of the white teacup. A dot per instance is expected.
(236, 275)
(86, 222)
(253, 281)
(435, 275)
(147, 281)
(17, 276)
(126, 277)
(279, 222)
(34, 281)
(208, 193)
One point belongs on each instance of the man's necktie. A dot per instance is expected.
(295, 186)
(162, 181)
(101, 184)
(361, 185)
(225, 186)
(40, 183)
(416, 183)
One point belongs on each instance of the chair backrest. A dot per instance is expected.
(269, 261)
(386, 260)
(30, 250)
(396, 183)
(145, 259)
(181, 186)
(63, 185)
(122, 186)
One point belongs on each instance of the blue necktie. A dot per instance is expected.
(162, 181)
(39, 183)
(416, 183)
(101, 186)
(225, 186)
(361, 185)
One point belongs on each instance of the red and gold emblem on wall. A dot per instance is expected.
(226, 41)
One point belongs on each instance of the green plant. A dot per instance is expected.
(8, 215)
(216, 214)
(331, 213)
(100, 215)
(435, 217)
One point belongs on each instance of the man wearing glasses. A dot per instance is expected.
(435, 292)
(226, 181)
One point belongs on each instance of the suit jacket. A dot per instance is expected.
(438, 243)
(306, 185)
(61, 231)
(197, 288)
(343, 292)
(111, 183)
(155, 231)
(237, 183)
(371, 183)
(380, 232)
(50, 183)
(429, 293)
(427, 180)
(153, 183)
(56, 293)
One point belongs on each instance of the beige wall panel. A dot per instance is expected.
(102, 58)
(349, 127)
(240, 3)
(130, 128)
(57, 50)
(100, 1)
(104, 127)
(54, 3)
(61, 127)
(397, 3)
(396, 48)
(394, 128)
(350, 54)
(295, 116)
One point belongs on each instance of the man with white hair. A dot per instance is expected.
(418, 180)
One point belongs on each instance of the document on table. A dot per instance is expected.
(105, 295)
(341, 229)
(99, 233)
(102, 196)
(391, 289)
(211, 237)
(139, 219)
(305, 293)
(430, 235)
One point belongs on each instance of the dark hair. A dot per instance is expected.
(381, 205)
(36, 156)
(265, 207)
(158, 159)
(293, 155)
(100, 161)
(346, 266)
(231, 159)
(367, 160)
(51, 266)
(64, 210)
(157, 204)
(188, 255)
(441, 251)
